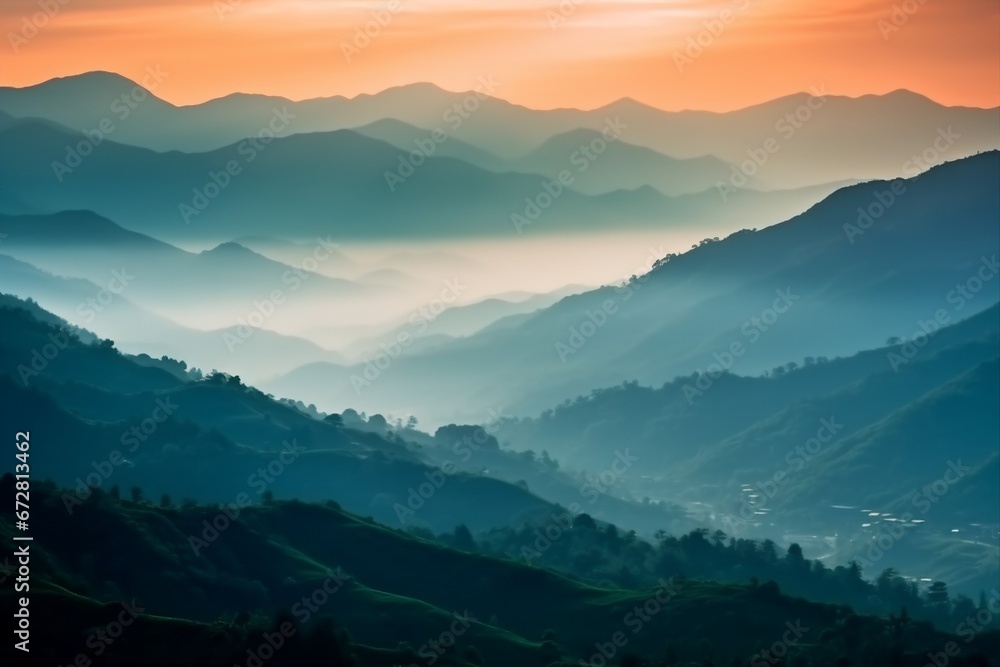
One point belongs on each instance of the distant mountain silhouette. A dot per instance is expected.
(138, 330)
(337, 183)
(163, 277)
(408, 138)
(622, 166)
(871, 136)
(842, 292)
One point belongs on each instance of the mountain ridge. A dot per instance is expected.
(115, 77)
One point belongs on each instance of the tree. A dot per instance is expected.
(334, 419)
(769, 551)
(937, 594)
(795, 558)
(136, 494)
(885, 581)
(897, 628)
(473, 437)
(463, 538)
(378, 423)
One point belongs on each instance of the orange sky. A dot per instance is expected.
(599, 51)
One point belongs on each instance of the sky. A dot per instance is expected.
(716, 55)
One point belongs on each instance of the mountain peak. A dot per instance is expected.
(84, 225)
(91, 91)
(229, 248)
(624, 104)
(98, 79)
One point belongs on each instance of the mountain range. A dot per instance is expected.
(774, 295)
(383, 381)
(872, 136)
